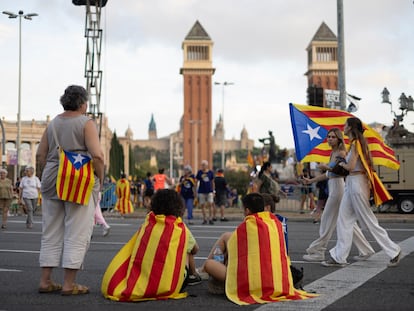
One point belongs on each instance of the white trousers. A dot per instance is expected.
(329, 220)
(66, 232)
(355, 207)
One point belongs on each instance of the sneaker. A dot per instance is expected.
(395, 261)
(202, 274)
(332, 263)
(224, 219)
(211, 222)
(194, 279)
(204, 222)
(190, 223)
(313, 257)
(362, 257)
(214, 219)
(105, 231)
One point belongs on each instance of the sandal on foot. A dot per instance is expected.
(53, 287)
(76, 290)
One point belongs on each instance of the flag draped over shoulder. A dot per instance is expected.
(380, 193)
(258, 269)
(310, 125)
(75, 178)
(123, 192)
(151, 265)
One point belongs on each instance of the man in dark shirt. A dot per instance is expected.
(220, 185)
(205, 178)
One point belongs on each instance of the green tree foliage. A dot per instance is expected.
(239, 180)
(116, 155)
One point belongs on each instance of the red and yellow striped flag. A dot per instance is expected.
(75, 179)
(258, 269)
(310, 125)
(123, 192)
(380, 193)
(151, 265)
(250, 159)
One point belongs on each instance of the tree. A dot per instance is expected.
(116, 155)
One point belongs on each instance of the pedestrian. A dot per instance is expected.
(266, 183)
(254, 265)
(336, 184)
(161, 181)
(6, 196)
(355, 205)
(29, 194)
(100, 219)
(306, 192)
(188, 191)
(152, 264)
(221, 191)
(67, 226)
(123, 192)
(323, 191)
(205, 180)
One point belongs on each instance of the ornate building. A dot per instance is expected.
(174, 142)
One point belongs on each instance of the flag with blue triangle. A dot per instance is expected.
(310, 125)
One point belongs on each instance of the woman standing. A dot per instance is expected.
(355, 204)
(188, 191)
(316, 250)
(6, 195)
(29, 194)
(67, 226)
(266, 183)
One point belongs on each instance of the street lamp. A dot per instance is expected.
(406, 104)
(223, 84)
(29, 17)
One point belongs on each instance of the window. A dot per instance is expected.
(197, 52)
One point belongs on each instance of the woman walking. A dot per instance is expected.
(316, 250)
(355, 204)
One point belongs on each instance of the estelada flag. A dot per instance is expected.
(75, 178)
(151, 265)
(258, 269)
(123, 192)
(379, 192)
(310, 125)
(250, 159)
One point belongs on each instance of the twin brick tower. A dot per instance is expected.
(197, 70)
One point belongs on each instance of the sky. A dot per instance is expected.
(260, 46)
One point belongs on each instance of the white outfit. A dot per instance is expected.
(355, 207)
(328, 223)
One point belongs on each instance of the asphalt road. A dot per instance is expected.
(359, 286)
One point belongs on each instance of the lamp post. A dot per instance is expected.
(29, 17)
(223, 84)
(406, 104)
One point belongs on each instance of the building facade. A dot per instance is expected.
(322, 73)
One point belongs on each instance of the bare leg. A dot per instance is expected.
(46, 277)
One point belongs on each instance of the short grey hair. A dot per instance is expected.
(3, 170)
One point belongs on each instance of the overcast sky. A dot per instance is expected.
(260, 46)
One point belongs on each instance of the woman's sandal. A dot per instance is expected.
(53, 287)
(76, 290)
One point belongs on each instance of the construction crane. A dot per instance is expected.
(93, 72)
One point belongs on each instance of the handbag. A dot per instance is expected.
(75, 178)
(338, 169)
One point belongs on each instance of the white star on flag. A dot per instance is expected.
(312, 132)
(78, 158)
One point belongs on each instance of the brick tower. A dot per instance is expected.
(322, 71)
(197, 71)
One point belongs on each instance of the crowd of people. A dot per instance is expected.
(249, 265)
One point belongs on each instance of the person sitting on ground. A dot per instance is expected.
(148, 268)
(256, 264)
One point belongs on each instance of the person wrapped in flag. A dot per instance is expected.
(123, 192)
(151, 266)
(355, 206)
(67, 224)
(257, 266)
